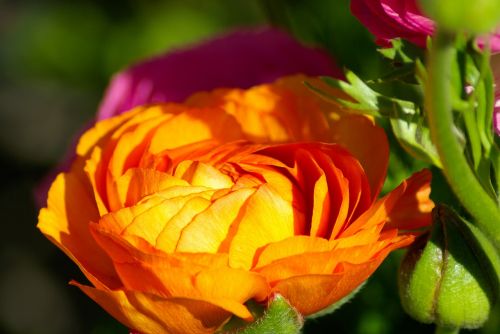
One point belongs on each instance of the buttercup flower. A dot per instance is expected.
(389, 19)
(178, 214)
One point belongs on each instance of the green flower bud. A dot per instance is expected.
(450, 278)
(474, 16)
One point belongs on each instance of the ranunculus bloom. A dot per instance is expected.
(389, 19)
(178, 214)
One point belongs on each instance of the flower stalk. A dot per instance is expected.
(459, 174)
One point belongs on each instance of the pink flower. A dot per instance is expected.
(388, 19)
(240, 59)
(495, 66)
(496, 114)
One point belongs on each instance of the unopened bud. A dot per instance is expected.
(476, 17)
(449, 278)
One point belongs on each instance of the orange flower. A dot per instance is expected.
(178, 214)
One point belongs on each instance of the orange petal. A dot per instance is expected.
(202, 174)
(194, 125)
(377, 213)
(312, 293)
(363, 236)
(292, 246)
(150, 223)
(94, 167)
(413, 210)
(283, 111)
(210, 228)
(266, 218)
(155, 315)
(359, 188)
(338, 188)
(368, 143)
(169, 236)
(239, 285)
(321, 220)
(327, 258)
(137, 183)
(66, 221)
(101, 131)
(408, 201)
(317, 263)
(96, 147)
(276, 177)
(183, 276)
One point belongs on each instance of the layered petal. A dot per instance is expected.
(65, 222)
(156, 315)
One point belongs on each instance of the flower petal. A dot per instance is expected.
(210, 228)
(367, 143)
(266, 218)
(413, 210)
(186, 275)
(155, 315)
(66, 221)
(310, 293)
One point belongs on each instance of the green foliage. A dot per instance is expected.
(397, 96)
(279, 317)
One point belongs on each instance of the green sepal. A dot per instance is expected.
(279, 317)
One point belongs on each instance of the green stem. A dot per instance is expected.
(446, 330)
(461, 178)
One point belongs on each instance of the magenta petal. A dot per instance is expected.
(496, 112)
(389, 19)
(496, 118)
(240, 59)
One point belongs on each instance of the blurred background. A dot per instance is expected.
(56, 58)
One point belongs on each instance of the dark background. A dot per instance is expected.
(56, 58)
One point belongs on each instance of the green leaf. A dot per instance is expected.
(402, 51)
(404, 112)
(415, 139)
(366, 100)
(280, 317)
